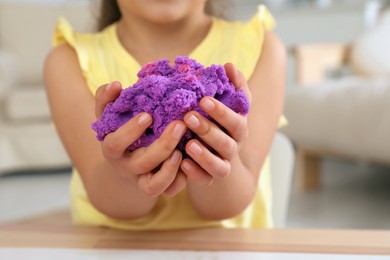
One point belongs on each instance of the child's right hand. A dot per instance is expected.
(155, 169)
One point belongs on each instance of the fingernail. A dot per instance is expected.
(178, 131)
(193, 121)
(175, 157)
(195, 148)
(186, 166)
(109, 85)
(208, 104)
(144, 119)
(235, 70)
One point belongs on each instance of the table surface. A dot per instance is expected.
(56, 235)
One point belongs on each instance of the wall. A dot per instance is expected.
(341, 23)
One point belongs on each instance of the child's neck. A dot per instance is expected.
(147, 41)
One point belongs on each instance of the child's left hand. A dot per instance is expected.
(205, 165)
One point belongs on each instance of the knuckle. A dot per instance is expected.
(168, 145)
(150, 191)
(145, 166)
(224, 171)
(230, 148)
(205, 130)
(220, 111)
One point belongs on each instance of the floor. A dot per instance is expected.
(28, 194)
(353, 196)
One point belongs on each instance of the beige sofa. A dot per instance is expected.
(347, 116)
(27, 138)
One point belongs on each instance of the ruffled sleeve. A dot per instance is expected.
(90, 53)
(252, 38)
(265, 17)
(64, 33)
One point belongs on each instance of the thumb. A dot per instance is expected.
(106, 94)
(238, 79)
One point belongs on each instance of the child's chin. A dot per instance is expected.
(166, 18)
(166, 12)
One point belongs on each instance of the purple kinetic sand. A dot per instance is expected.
(168, 93)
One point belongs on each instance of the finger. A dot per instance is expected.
(234, 123)
(161, 148)
(116, 143)
(177, 185)
(238, 79)
(155, 184)
(106, 94)
(195, 173)
(234, 75)
(212, 164)
(225, 145)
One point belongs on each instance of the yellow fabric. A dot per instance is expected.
(103, 59)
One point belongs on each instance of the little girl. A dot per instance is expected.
(154, 187)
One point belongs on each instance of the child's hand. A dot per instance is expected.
(155, 169)
(205, 165)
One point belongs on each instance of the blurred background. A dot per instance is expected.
(337, 104)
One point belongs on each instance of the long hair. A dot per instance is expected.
(109, 12)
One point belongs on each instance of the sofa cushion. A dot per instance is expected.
(350, 116)
(26, 104)
(26, 29)
(8, 71)
(370, 53)
(32, 146)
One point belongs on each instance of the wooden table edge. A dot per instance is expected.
(259, 240)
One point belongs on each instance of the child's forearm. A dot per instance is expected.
(116, 196)
(225, 197)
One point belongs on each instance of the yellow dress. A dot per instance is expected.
(103, 59)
